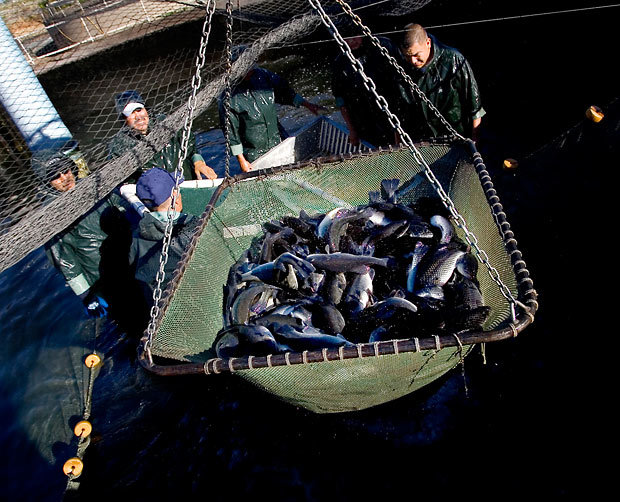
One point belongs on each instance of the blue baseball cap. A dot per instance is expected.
(155, 186)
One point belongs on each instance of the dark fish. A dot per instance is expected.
(335, 287)
(398, 315)
(385, 309)
(302, 267)
(299, 226)
(340, 224)
(261, 273)
(345, 262)
(379, 334)
(241, 341)
(269, 241)
(467, 319)
(467, 266)
(396, 229)
(314, 282)
(297, 310)
(466, 293)
(327, 318)
(252, 301)
(270, 318)
(268, 272)
(308, 338)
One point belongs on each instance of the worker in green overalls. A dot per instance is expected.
(86, 252)
(254, 125)
(445, 77)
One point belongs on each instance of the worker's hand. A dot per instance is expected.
(314, 108)
(95, 305)
(201, 169)
(246, 166)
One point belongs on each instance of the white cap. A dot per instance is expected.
(131, 107)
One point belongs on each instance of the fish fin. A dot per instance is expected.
(374, 197)
(388, 190)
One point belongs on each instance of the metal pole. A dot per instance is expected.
(26, 101)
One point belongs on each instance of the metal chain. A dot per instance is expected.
(395, 123)
(227, 89)
(412, 85)
(191, 106)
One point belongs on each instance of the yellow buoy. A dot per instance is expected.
(511, 164)
(595, 114)
(92, 360)
(73, 467)
(83, 428)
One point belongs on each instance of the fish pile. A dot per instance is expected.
(381, 271)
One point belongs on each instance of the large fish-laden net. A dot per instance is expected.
(97, 50)
(65, 61)
(335, 379)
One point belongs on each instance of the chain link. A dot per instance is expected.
(369, 84)
(227, 89)
(189, 118)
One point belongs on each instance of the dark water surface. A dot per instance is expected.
(525, 425)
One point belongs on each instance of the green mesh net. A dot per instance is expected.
(193, 313)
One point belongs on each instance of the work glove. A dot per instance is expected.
(95, 305)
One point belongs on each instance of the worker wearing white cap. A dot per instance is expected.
(136, 120)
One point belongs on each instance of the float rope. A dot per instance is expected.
(73, 467)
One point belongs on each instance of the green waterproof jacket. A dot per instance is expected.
(254, 126)
(76, 252)
(448, 82)
(370, 122)
(147, 245)
(167, 158)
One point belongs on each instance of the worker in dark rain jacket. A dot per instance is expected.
(447, 80)
(358, 106)
(254, 125)
(136, 126)
(155, 189)
(77, 251)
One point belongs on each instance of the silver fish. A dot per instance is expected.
(359, 292)
(437, 268)
(443, 224)
(418, 253)
(328, 219)
(308, 338)
(345, 262)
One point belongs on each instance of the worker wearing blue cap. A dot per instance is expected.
(157, 189)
